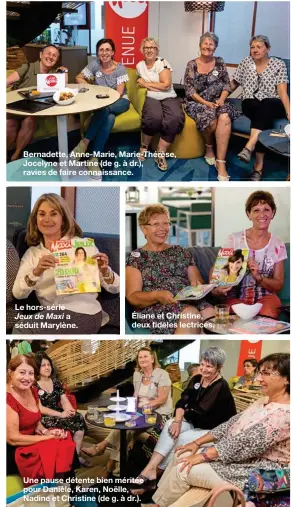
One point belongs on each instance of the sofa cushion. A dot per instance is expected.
(128, 121)
(204, 258)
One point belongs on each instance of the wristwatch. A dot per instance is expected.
(109, 274)
(29, 282)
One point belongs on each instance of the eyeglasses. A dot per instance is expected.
(266, 373)
(159, 224)
(149, 48)
(105, 51)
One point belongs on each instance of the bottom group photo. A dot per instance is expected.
(148, 423)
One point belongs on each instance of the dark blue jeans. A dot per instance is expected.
(102, 122)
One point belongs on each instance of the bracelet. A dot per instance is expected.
(107, 470)
(206, 458)
(29, 282)
(177, 422)
(196, 443)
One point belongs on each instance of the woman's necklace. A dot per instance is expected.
(200, 392)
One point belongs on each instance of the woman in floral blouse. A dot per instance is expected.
(156, 272)
(207, 86)
(258, 437)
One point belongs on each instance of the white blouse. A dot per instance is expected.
(45, 287)
(264, 85)
(152, 75)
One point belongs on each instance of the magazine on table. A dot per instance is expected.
(76, 271)
(259, 325)
(229, 269)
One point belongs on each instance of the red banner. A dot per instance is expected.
(127, 24)
(248, 350)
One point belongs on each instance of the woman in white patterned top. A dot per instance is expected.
(265, 274)
(264, 82)
(103, 71)
(162, 112)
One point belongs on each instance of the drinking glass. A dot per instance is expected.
(109, 421)
(151, 418)
(222, 314)
(147, 410)
(91, 412)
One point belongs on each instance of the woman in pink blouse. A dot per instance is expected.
(265, 274)
(258, 437)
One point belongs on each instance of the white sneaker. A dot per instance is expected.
(94, 169)
(79, 150)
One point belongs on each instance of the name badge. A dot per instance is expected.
(215, 73)
(51, 82)
(40, 392)
(196, 386)
(135, 254)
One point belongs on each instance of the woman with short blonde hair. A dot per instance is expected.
(51, 220)
(162, 112)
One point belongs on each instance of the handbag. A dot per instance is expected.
(269, 481)
(237, 494)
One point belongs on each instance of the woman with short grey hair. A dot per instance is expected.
(264, 83)
(206, 403)
(207, 87)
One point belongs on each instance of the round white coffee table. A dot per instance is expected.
(84, 102)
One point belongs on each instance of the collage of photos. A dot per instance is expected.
(147, 196)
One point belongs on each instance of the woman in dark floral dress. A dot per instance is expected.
(207, 86)
(156, 272)
(56, 409)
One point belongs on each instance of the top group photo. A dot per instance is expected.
(148, 91)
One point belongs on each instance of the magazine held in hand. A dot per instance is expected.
(76, 270)
(229, 269)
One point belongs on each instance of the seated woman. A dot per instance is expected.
(103, 71)
(20, 130)
(258, 437)
(207, 86)
(249, 378)
(265, 274)
(162, 111)
(264, 82)
(206, 403)
(156, 272)
(56, 409)
(152, 388)
(32, 450)
(51, 219)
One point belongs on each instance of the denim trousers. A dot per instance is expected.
(102, 122)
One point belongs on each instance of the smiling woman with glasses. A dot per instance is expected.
(156, 272)
(256, 438)
(102, 71)
(162, 112)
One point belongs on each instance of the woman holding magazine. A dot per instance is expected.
(155, 274)
(265, 274)
(51, 220)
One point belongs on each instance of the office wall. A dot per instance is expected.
(229, 214)
(179, 31)
(97, 209)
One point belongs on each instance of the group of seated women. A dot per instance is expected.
(156, 272)
(51, 220)
(207, 85)
(204, 444)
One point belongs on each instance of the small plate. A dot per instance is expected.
(120, 417)
(116, 399)
(116, 407)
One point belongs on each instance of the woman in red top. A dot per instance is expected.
(32, 450)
